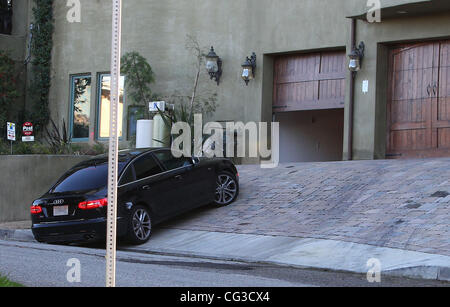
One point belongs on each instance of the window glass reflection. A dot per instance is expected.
(81, 102)
(105, 105)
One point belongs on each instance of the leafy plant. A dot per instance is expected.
(138, 77)
(59, 141)
(41, 48)
(36, 148)
(6, 283)
(99, 149)
(201, 101)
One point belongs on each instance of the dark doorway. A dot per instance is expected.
(6, 11)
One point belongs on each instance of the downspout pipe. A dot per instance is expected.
(352, 95)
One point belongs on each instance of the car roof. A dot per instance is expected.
(125, 155)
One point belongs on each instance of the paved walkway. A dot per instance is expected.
(397, 204)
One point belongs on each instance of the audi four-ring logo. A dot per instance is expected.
(58, 202)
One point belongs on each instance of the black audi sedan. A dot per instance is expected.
(154, 186)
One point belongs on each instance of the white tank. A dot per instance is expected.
(144, 133)
(161, 132)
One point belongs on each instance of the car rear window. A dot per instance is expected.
(84, 178)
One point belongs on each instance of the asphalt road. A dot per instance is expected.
(34, 264)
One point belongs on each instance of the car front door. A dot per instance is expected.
(154, 186)
(186, 190)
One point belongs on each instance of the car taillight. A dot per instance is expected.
(93, 204)
(36, 209)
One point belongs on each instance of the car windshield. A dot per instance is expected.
(84, 178)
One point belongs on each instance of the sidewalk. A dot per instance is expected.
(295, 252)
(331, 255)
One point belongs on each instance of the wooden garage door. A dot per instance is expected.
(419, 106)
(309, 81)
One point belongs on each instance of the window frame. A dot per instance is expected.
(72, 105)
(162, 166)
(131, 164)
(99, 108)
(131, 167)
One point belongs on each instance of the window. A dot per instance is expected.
(6, 11)
(105, 105)
(170, 162)
(85, 177)
(146, 166)
(80, 107)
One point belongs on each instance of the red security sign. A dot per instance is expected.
(27, 129)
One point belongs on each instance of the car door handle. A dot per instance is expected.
(146, 187)
(178, 177)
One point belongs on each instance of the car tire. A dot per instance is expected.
(226, 189)
(139, 225)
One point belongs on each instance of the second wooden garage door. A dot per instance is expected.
(313, 81)
(419, 105)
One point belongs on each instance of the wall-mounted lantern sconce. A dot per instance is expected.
(249, 68)
(214, 65)
(356, 57)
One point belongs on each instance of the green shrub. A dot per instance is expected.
(41, 49)
(6, 283)
(36, 148)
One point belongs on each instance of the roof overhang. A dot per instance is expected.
(420, 8)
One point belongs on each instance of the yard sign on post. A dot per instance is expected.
(113, 145)
(11, 134)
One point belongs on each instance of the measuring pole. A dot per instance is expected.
(113, 145)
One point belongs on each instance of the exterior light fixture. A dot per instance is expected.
(214, 65)
(356, 57)
(249, 69)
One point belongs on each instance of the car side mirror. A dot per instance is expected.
(195, 160)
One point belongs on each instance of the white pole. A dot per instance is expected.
(113, 146)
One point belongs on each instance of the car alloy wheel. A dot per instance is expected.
(142, 224)
(226, 189)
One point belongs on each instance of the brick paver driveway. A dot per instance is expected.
(400, 204)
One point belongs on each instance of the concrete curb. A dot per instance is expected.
(426, 273)
(296, 252)
(283, 251)
(20, 235)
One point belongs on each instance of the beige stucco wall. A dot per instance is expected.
(34, 174)
(158, 30)
(236, 28)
